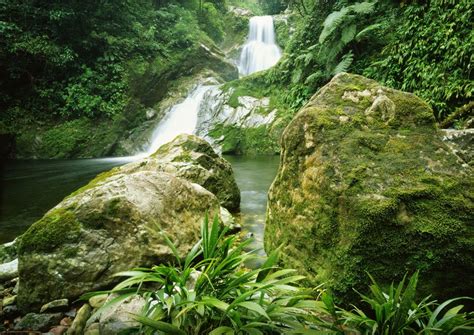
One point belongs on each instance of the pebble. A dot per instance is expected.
(93, 329)
(67, 321)
(79, 323)
(38, 322)
(59, 305)
(58, 330)
(98, 301)
(10, 300)
(72, 313)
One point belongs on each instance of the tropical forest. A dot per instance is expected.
(237, 167)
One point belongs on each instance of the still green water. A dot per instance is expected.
(29, 188)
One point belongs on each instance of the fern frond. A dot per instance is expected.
(367, 31)
(365, 7)
(348, 34)
(313, 78)
(344, 64)
(332, 22)
(330, 53)
(296, 77)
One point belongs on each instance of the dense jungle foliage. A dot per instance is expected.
(65, 60)
(69, 61)
(424, 47)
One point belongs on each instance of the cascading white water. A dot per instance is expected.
(181, 119)
(261, 51)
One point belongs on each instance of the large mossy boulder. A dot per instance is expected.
(367, 184)
(116, 223)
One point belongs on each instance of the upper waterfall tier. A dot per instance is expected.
(260, 52)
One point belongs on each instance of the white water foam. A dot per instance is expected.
(180, 119)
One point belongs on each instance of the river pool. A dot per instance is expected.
(29, 188)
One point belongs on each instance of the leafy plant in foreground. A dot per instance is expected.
(211, 292)
(397, 311)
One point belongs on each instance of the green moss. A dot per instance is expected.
(234, 97)
(186, 144)
(184, 157)
(254, 85)
(81, 138)
(282, 31)
(66, 140)
(361, 195)
(70, 252)
(373, 141)
(8, 253)
(96, 181)
(232, 138)
(376, 208)
(248, 141)
(57, 227)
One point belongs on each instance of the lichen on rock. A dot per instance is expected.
(367, 184)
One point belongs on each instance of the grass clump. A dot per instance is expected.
(211, 292)
(397, 311)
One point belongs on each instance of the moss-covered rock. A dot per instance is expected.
(116, 222)
(367, 184)
(237, 118)
(236, 140)
(8, 252)
(193, 159)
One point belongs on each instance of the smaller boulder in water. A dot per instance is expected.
(8, 270)
(193, 159)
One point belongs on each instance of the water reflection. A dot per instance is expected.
(29, 188)
(254, 175)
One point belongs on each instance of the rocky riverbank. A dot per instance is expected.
(366, 183)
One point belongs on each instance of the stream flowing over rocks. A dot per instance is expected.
(115, 222)
(200, 104)
(367, 184)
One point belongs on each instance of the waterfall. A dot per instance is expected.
(181, 118)
(260, 52)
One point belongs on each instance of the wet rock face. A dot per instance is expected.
(238, 124)
(366, 183)
(115, 222)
